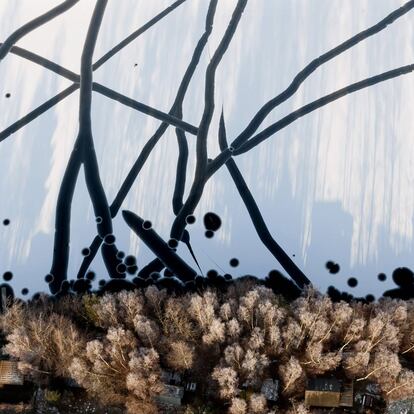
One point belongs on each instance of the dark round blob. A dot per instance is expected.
(25, 291)
(352, 282)
(212, 274)
(212, 221)
(102, 282)
(90, 275)
(173, 243)
(6, 222)
(168, 273)
(109, 239)
(121, 268)
(7, 95)
(293, 255)
(234, 262)
(86, 251)
(209, 234)
(370, 298)
(139, 282)
(98, 219)
(120, 254)
(382, 277)
(36, 297)
(49, 278)
(155, 275)
(135, 65)
(190, 219)
(131, 270)
(403, 277)
(227, 276)
(146, 225)
(130, 260)
(8, 293)
(7, 276)
(231, 149)
(332, 267)
(65, 285)
(334, 293)
(82, 286)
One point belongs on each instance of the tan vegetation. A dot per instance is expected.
(116, 345)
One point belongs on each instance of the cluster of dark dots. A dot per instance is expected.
(6, 222)
(332, 267)
(352, 282)
(212, 222)
(131, 264)
(126, 264)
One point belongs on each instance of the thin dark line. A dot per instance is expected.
(197, 187)
(37, 112)
(83, 151)
(154, 242)
(148, 110)
(34, 24)
(135, 34)
(150, 144)
(109, 93)
(256, 216)
(46, 63)
(315, 64)
(277, 126)
(70, 75)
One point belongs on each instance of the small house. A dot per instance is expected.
(171, 377)
(270, 389)
(171, 396)
(190, 386)
(368, 397)
(329, 392)
(13, 388)
(10, 374)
